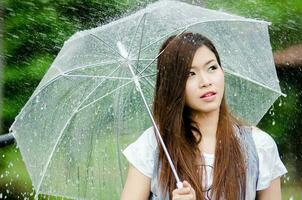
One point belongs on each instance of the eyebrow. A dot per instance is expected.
(204, 64)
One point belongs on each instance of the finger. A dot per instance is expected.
(183, 197)
(186, 184)
(182, 191)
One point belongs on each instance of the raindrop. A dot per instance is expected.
(273, 123)
(10, 164)
(7, 173)
(43, 107)
(280, 103)
(271, 112)
(37, 100)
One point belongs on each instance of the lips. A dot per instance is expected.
(208, 94)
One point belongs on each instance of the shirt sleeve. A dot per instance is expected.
(270, 164)
(141, 152)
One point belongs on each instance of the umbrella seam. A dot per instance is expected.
(91, 76)
(116, 89)
(255, 82)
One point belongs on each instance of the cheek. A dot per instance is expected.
(189, 91)
(221, 87)
(220, 81)
(190, 87)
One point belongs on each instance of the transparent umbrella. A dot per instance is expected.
(94, 100)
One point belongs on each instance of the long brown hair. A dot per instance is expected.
(176, 127)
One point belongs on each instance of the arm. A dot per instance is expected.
(137, 186)
(273, 192)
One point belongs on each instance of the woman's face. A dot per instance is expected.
(205, 75)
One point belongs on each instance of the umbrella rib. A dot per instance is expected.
(119, 118)
(63, 57)
(107, 44)
(140, 59)
(89, 161)
(160, 53)
(150, 63)
(120, 62)
(121, 86)
(61, 133)
(89, 66)
(146, 84)
(51, 81)
(255, 82)
(130, 46)
(149, 82)
(105, 77)
(154, 74)
(140, 43)
(185, 28)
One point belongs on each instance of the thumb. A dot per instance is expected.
(186, 184)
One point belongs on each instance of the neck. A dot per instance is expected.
(207, 123)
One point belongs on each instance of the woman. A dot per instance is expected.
(215, 155)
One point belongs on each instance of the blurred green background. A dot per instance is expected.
(33, 32)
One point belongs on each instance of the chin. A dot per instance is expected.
(209, 109)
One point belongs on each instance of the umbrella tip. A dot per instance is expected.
(284, 95)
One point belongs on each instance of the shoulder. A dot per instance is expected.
(265, 144)
(270, 164)
(141, 152)
(148, 138)
(262, 139)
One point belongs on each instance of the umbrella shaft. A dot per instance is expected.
(138, 87)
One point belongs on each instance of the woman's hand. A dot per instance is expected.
(185, 193)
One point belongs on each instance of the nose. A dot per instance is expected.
(204, 81)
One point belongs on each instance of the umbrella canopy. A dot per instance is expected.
(88, 106)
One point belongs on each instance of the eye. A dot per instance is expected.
(214, 67)
(192, 73)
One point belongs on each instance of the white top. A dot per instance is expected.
(140, 155)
